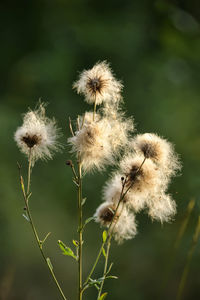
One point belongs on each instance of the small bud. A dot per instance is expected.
(69, 163)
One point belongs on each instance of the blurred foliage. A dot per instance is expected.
(154, 47)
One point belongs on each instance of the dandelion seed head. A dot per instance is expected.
(39, 134)
(98, 84)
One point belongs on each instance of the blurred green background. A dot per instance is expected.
(154, 47)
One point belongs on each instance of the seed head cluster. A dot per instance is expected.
(37, 134)
(145, 162)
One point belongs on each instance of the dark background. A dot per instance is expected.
(154, 47)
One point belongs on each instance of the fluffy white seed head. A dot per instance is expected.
(140, 176)
(98, 84)
(159, 150)
(92, 142)
(161, 207)
(113, 189)
(38, 134)
(121, 131)
(123, 226)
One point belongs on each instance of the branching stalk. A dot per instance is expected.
(110, 229)
(105, 266)
(26, 195)
(80, 229)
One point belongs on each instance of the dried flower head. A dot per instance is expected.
(98, 84)
(92, 142)
(105, 213)
(161, 207)
(123, 226)
(159, 150)
(140, 175)
(38, 134)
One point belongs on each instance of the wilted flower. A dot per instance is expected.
(38, 134)
(123, 222)
(98, 84)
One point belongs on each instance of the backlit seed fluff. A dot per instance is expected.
(161, 207)
(123, 226)
(92, 142)
(99, 85)
(140, 177)
(38, 134)
(112, 191)
(159, 150)
(121, 131)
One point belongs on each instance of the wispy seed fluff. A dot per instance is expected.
(38, 134)
(122, 128)
(139, 176)
(92, 142)
(161, 207)
(123, 226)
(159, 150)
(99, 84)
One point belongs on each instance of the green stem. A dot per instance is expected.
(108, 234)
(105, 266)
(80, 212)
(39, 243)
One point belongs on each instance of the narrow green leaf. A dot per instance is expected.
(83, 201)
(88, 221)
(104, 252)
(26, 217)
(74, 181)
(109, 269)
(103, 296)
(75, 243)
(111, 277)
(22, 185)
(49, 263)
(66, 250)
(44, 240)
(104, 236)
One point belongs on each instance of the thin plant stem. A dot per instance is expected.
(26, 195)
(189, 258)
(109, 231)
(104, 242)
(105, 266)
(80, 229)
(29, 171)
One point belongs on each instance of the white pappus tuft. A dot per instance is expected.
(98, 84)
(38, 134)
(123, 225)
